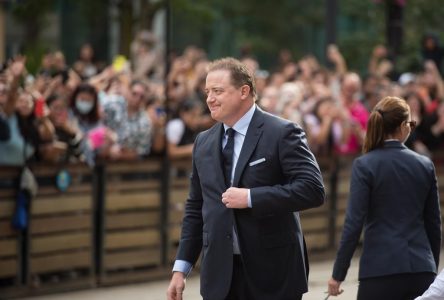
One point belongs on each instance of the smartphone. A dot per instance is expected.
(119, 63)
(160, 111)
(39, 107)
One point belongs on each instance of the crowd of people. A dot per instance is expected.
(90, 111)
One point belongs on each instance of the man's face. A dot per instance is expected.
(223, 99)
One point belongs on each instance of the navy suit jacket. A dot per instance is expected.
(286, 180)
(394, 196)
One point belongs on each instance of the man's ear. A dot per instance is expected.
(245, 91)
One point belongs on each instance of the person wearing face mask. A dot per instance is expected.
(84, 107)
(394, 197)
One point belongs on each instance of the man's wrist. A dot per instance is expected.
(179, 274)
(183, 267)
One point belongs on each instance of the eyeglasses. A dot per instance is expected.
(412, 124)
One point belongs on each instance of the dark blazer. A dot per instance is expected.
(394, 195)
(270, 235)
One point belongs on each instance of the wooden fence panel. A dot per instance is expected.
(342, 192)
(61, 231)
(179, 187)
(131, 246)
(10, 246)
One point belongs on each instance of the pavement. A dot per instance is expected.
(320, 272)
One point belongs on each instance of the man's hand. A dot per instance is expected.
(333, 287)
(176, 287)
(235, 198)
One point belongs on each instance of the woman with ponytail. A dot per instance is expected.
(394, 198)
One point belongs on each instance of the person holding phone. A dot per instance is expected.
(17, 107)
(67, 141)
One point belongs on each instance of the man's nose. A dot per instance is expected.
(210, 98)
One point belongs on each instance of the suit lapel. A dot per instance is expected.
(217, 134)
(254, 132)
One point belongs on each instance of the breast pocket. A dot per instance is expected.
(261, 170)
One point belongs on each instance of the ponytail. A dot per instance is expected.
(375, 132)
(385, 120)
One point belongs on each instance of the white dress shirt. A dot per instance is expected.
(435, 290)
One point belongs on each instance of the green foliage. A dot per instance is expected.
(32, 14)
(225, 27)
(420, 17)
(361, 26)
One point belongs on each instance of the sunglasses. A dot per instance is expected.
(412, 124)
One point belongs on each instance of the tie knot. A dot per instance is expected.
(230, 132)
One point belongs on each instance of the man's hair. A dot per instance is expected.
(240, 74)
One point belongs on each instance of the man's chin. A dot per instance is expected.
(214, 116)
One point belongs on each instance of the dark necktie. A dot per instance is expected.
(227, 153)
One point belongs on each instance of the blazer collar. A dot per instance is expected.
(393, 144)
(252, 137)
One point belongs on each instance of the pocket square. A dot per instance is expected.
(260, 160)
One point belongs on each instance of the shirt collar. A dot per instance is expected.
(241, 126)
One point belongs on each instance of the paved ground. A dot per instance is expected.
(320, 272)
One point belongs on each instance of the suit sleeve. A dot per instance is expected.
(357, 209)
(432, 218)
(303, 187)
(191, 237)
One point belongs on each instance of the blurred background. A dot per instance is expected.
(100, 102)
(221, 28)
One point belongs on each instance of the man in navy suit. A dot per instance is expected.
(242, 209)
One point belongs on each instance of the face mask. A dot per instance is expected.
(84, 106)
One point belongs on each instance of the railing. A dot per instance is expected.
(120, 222)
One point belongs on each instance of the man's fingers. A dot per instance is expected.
(173, 294)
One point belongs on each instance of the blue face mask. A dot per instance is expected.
(84, 106)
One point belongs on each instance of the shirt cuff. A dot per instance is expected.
(249, 199)
(182, 266)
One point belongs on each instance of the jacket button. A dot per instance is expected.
(229, 236)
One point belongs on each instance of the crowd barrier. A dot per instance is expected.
(120, 222)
